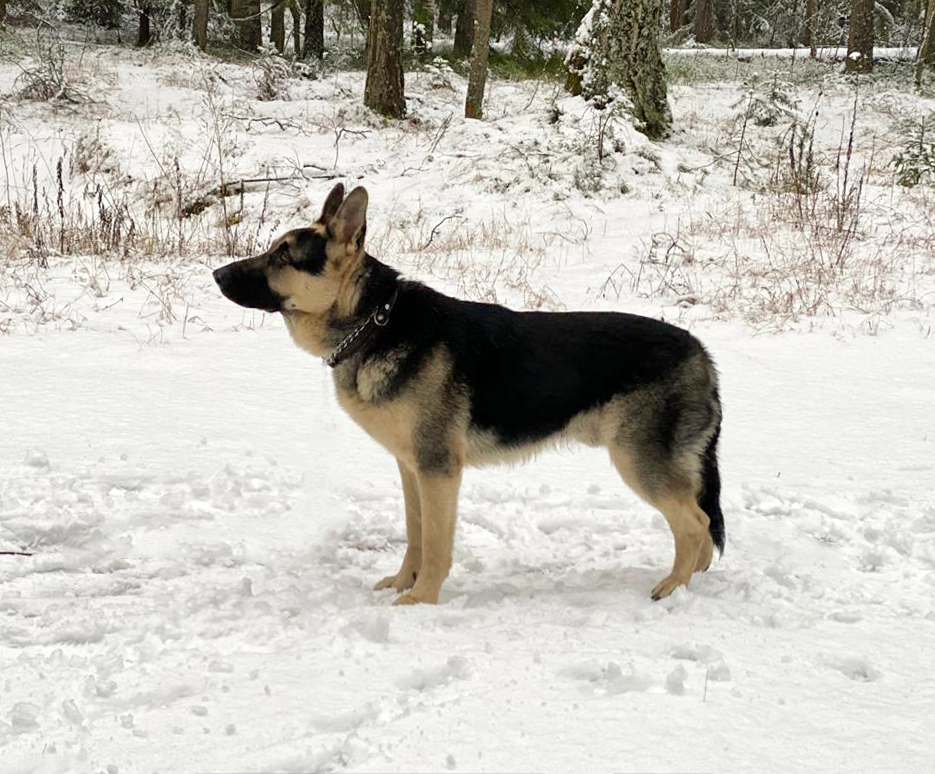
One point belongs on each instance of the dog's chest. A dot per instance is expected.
(390, 423)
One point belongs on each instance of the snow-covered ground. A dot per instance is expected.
(206, 525)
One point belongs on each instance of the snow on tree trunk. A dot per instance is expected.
(423, 27)
(474, 104)
(383, 91)
(860, 38)
(617, 48)
(314, 29)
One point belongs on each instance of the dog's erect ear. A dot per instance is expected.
(332, 203)
(349, 224)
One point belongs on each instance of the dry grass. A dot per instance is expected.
(451, 247)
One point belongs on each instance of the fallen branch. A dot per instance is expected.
(436, 227)
(246, 185)
(15, 553)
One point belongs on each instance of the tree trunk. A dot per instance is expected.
(182, 18)
(676, 15)
(277, 27)
(423, 27)
(464, 31)
(2, 10)
(704, 21)
(200, 24)
(363, 13)
(144, 34)
(860, 38)
(474, 104)
(383, 91)
(296, 27)
(246, 14)
(314, 29)
(925, 50)
(624, 50)
(808, 33)
(444, 19)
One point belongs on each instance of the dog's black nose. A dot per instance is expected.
(221, 276)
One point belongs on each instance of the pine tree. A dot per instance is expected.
(617, 47)
(383, 91)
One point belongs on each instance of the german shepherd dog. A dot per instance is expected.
(443, 383)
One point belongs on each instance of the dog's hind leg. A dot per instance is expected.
(654, 479)
(412, 561)
(693, 547)
(439, 503)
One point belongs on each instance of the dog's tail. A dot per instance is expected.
(710, 497)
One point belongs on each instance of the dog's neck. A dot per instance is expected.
(376, 288)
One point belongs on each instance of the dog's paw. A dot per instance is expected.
(666, 587)
(415, 598)
(400, 582)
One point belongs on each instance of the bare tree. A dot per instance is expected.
(314, 29)
(474, 104)
(860, 38)
(200, 24)
(383, 91)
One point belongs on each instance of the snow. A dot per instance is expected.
(206, 525)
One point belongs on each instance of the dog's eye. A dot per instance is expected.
(280, 256)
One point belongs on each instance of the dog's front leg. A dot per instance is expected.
(438, 493)
(412, 561)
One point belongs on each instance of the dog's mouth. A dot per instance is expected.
(245, 284)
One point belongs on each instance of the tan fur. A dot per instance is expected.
(412, 561)
(438, 499)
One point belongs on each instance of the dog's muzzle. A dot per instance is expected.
(245, 283)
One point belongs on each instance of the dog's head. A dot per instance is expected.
(307, 271)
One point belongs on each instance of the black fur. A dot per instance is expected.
(527, 374)
(245, 283)
(710, 497)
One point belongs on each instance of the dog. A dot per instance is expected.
(443, 383)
